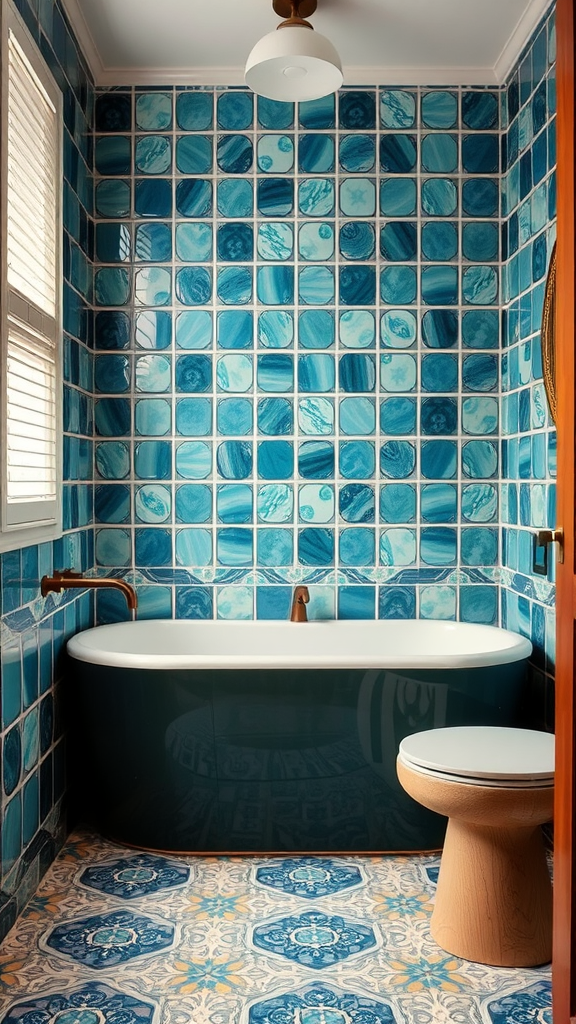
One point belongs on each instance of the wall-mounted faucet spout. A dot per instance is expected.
(299, 602)
(65, 579)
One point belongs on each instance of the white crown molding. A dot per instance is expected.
(85, 39)
(361, 76)
(519, 37)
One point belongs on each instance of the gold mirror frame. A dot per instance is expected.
(547, 335)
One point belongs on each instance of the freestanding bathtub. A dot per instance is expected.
(275, 736)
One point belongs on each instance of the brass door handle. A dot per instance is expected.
(545, 537)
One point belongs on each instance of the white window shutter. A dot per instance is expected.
(31, 379)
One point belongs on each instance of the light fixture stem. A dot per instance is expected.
(295, 19)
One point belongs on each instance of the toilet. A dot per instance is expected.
(496, 787)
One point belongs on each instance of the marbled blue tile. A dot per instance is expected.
(113, 112)
(234, 373)
(153, 460)
(154, 111)
(479, 502)
(480, 197)
(112, 373)
(274, 547)
(112, 417)
(316, 373)
(357, 372)
(316, 460)
(275, 503)
(439, 416)
(275, 114)
(397, 153)
(316, 154)
(235, 242)
(234, 503)
(439, 153)
(275, 416)
(316, 328)
(233, 416)
(234, 459)
(479, 459)
(153, 154)
(397, 546)
(317, 114)
(113, 244)
(111, 330)
(316, 197)
(275, 241)
(112, 154)
(480, 373)
(439, 285)
(357, 152)
(357, 240)
(397, 602)
(316, 503)
(194, 197)
(194, 242)
(479, 546)
(398, 328)
(398, 416)
(234, 154)
(235, 197)
(357, 459)
(275, 196)
(397, 108)
(112, 286)
(234, 329)
(316, 546)
(398, 241)
(439, 197)
(397, 197)
(398, 285)
(152, 286)
(439, 240)
(397, 503)
(152, 503)
(398, 372)
(480, 241)
(194, 154)
(439, 460)
(356, 503)
(397, 459)
(438, 545)
(112, 503)
(275, 372)
(235, 110)
(357, 197)
(357, 328)
(316, 285)
(479, 109)
(480, 153)
(440, 328)
(316, 415)
(480, 285)
(438, 503)
(439, 109)
(357, 285)
(275, 153)
(480, 329)
(193, 460)
(480, 415)
(194, 110)
(275, 285)
(275, 460)
(194, 329)
(153, 197)
(234, 285)
(316, 242)
(193, 503)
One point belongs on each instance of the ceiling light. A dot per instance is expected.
(294, 62)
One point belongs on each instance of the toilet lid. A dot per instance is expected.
(482, 752)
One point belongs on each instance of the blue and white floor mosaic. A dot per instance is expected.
(116, 936)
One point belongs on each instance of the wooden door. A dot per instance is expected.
(564, 955)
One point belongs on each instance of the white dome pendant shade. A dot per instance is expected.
(294, 62)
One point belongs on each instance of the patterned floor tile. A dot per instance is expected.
(117, 936)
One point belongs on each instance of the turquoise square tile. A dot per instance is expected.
(194, 110)
(154, 111)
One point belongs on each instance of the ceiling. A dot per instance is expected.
(186, 42)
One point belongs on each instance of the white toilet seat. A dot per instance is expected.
(482, 756)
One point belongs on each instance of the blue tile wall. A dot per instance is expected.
(32, 630)
(528, 493)
(297, 332)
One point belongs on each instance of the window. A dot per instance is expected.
(30, 374)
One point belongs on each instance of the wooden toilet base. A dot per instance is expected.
(494, 895)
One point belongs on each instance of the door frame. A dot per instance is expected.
(564, 942)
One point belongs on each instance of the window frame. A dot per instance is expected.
(39, 529)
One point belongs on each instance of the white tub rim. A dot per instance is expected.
(341, 644)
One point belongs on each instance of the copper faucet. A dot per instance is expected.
(299, 602)
(64, 579)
